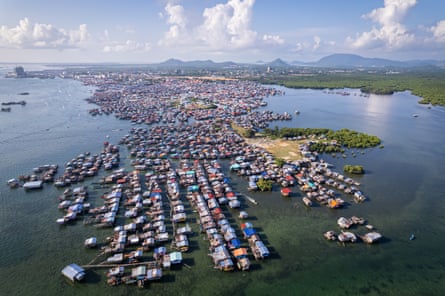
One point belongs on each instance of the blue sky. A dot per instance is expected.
(145, 31)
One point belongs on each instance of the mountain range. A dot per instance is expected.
(332, 61)
(354, 61)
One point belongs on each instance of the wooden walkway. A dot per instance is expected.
(149, 264)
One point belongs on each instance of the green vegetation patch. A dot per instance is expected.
(353, 169)
(264, 185)
(327, 140)
(243, 132)
(428, 84)
(280, 162)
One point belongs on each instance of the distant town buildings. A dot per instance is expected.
(19, 72)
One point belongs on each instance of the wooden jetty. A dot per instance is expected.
(149, 264)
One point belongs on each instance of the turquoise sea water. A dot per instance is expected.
(404, 183)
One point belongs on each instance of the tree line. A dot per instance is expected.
(328, 140)
(427, 84)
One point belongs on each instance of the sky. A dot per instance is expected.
(150, 31)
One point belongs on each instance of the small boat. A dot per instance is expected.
(330, 235)
(128, 280)
(243, 261)
(358, 220)
(161, 237)
(154, 274)
(134, 256)
(64, 204)
(61, 221)
(181, 242)
(222, 259)
(412, 236)
(234, 204)
(70, 216)
(307, 202)
(344, 223)
(223, 200)
(243, 215)
(33, 185)
(260, 251)
(297, 112)
(371, 237)
(116, 258)
(179, 217)
(90, 242)
(159, 252)
(286, 191)
(138, 273)
(346, 236)
(184, 230)
(251, 199)
(13, 183)
(335, 203)
(235, 167)
(359, 197)
(166, 261)
(116, 271)
(252, 186)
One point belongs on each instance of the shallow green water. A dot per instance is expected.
(404, 183)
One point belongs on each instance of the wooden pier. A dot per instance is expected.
(149, 264)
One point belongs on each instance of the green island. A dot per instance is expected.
(428, 84)
(353, 169)
(327, 140)
(321, 140)
(264, 185)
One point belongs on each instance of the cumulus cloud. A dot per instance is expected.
(224, 27)
(28, 36)
(178, 25)
(311, 45)
(439, 31)
(273, 39)
(113, 46)
(393, 12)
(300, 46)
(391, 33)
(127, 46)
(228, 25)
(317, 43)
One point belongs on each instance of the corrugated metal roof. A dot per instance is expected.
(74, 272)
